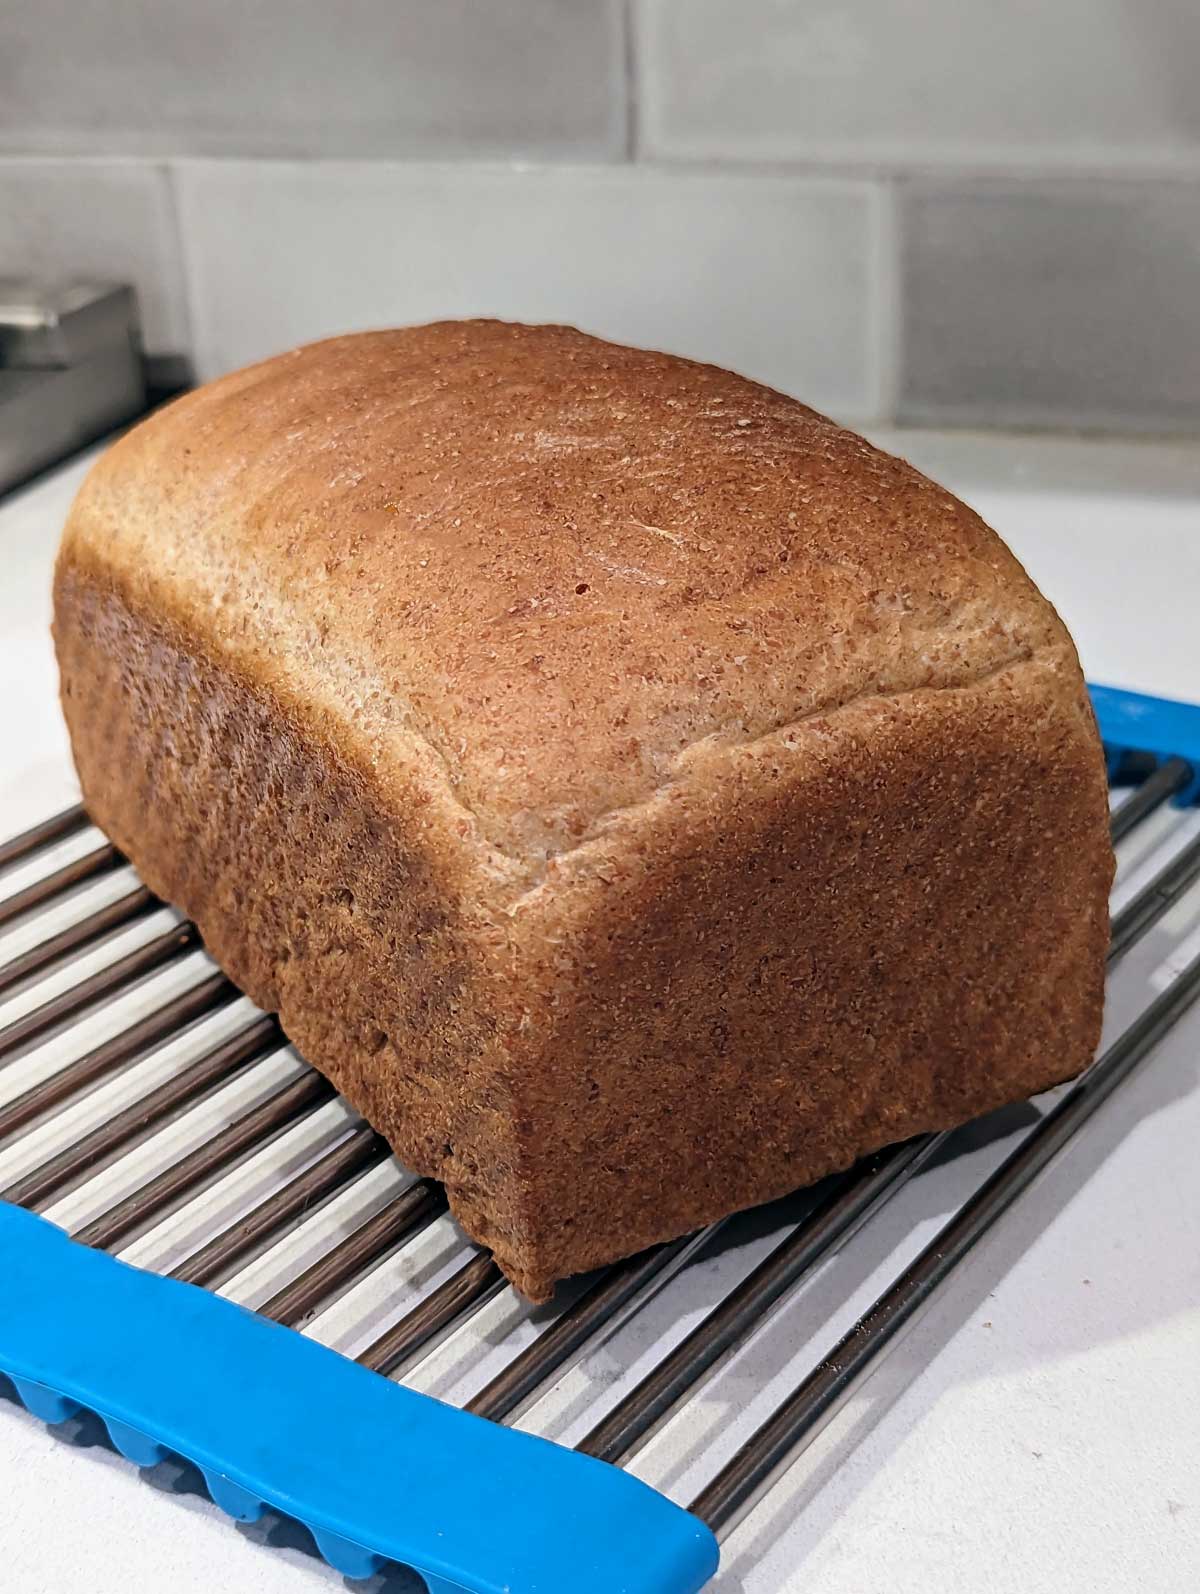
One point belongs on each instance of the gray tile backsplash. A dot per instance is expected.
(105, 219)
(918, 209)
(1041, 304)
(769, 275)
(307, 77)
(1068, 83)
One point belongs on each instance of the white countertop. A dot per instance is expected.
(1039, 1430)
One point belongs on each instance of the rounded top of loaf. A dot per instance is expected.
(563, 572)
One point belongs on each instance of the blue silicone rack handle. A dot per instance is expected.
(1132, 722)
(376, 1471)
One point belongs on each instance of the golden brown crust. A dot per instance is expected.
(553, 568)
(638, 794)
(319, 902)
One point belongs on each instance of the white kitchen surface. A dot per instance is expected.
(1039, 1430)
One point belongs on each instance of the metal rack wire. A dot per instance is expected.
(150, 1109)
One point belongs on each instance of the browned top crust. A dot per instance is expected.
(550, 578)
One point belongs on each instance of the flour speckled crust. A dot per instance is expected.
(638, 794)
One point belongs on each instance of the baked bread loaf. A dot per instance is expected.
(640, 796)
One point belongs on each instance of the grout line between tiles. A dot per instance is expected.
(959, 172)
(182, 257)
(629, 65)
(884, 308)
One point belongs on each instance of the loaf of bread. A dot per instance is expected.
(640, 796)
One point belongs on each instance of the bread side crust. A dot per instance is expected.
(322, 902)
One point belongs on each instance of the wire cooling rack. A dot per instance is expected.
(153, 1113)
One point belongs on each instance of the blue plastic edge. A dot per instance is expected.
(376, 1471)
(1131, 722)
